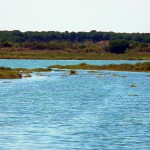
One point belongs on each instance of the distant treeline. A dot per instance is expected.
(93, 41)
(17, 36)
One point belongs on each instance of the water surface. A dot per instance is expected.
(23, 63)
(88, 111)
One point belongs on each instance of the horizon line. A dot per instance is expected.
(73, 31)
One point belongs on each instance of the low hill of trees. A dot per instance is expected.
(92, 41)
(18, 36)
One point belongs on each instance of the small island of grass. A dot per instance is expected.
(8, 73)
(139, 67)
(18, 73)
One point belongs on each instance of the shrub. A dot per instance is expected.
(119, 46)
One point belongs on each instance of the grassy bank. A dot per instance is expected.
(69, 55)
(17, 73)
(139, 67)
(9, 73)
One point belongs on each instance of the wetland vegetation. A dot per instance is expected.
(91, 45)
(139, 67)
(9, 73)
(18, 73)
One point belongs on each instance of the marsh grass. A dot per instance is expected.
(133, 85)
(41, 70)
(133, 95)
(139, 67)
(17, 73)
(67, 55)
(8, 73)
(59, 70)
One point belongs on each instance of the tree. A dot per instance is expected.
(73, 36)
(119, 46)
(17, 36)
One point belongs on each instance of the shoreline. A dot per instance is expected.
(72, 55)
(71, 59)
(18, 73)
(138, 67)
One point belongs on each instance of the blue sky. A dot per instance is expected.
(75, 15)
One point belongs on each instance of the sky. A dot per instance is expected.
(75, 15)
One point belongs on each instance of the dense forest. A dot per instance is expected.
(89, 41)
(18, 36)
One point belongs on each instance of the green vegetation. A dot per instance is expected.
(119, 46)
(41, 70)
(8, 73)
(70, 55)
(95, 36)
(122, 67)
(133, 85)
(17, 73)
(81, 45)
(133, 95)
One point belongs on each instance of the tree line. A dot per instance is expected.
(95, 36)
(86, 41)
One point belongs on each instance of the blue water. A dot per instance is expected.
(15, 63)
(88, 111)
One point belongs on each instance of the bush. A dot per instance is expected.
(7, 44)
(119, 46)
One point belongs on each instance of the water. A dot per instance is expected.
(15, 63)
(88, 111)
